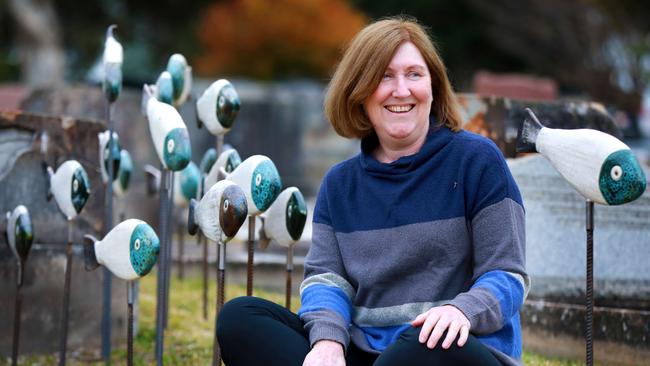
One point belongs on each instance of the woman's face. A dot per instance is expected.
(399, 108)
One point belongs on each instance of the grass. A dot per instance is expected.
(188, 339)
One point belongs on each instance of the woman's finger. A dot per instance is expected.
(452, 332)
(441, 325)
(419, 319)
(464, 334)
(429, 323)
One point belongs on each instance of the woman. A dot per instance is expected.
(417, 254)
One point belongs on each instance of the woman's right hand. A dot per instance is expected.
(325, 353)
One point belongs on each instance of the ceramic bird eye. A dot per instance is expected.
(617, 172)
(226, 203)
(258, 179)
(137, 244)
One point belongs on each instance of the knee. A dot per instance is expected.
(232, 314)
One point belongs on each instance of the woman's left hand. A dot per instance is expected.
(436, 320)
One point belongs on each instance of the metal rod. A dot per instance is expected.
(108, 225)
(164, 198)
(590, 283)
(219, 144)
(130, 292)
(17, 312)
(204, 241)
(181, 252)
(221, 295)
(63, 341)
(251, 255)
(168, 251)
(287, 300)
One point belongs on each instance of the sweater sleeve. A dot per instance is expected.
(497, 220)
(326, 294)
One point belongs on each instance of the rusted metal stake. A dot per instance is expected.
(17, 312)
(168, 250)
(108, 225)
(203, 240)
(590, 283)
(164, 198)
(63, 341)
(181, 252)
(287, 301)
(221, 295)
(251, 255)
(130, 294)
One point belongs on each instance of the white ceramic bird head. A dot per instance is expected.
(181, 74)
(121, 184)
(112, 60)
(218, 106)
(168, 133)
(187, 184)
(260, 180)
(598, 165)
(222, 210)
(104, 154)
(70, 187)
(285, 220)
(19, 232)
(225, 164)
(129, 250)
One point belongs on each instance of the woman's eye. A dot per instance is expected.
(413, 75)
(387, 76)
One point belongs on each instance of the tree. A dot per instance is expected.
(282, 38)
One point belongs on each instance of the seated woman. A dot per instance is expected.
(417, 254)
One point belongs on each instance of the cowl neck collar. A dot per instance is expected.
(437, 138)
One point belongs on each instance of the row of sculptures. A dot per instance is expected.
(219, 196)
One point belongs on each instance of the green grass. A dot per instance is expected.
(188, 339)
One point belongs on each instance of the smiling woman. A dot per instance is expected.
(417, 254)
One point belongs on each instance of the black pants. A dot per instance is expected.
(255, 332)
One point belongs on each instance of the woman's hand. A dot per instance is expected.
(436, 320)
(325, 353)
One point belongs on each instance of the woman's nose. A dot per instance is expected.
(401, 88)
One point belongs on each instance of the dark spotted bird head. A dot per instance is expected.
(20, 233)
(228, 105)
(233, 210)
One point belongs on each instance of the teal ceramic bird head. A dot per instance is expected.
(285, 220)
(121, 185)
(181, 74)
(260, 180)
(112, 60)
(208, 160)
(105, 156)
(70, 187)
(621, 178)
(168, 133)
(20, 233)
(129, 250)
(187, 184)
(220, 212)
(165, 88)
(218, 107)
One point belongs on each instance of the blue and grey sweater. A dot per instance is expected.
(390, 241)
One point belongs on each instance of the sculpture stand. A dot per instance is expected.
(251, 255)
(589, 318)
(204, 241)
(108, 225)
(287, 301)
(164, 198)
(66, 298)
(17, 311)
(181, 252)
(130, 294)
(168, 250)
(221, 294)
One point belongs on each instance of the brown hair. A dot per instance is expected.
(362, 66)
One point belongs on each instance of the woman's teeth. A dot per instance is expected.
(399, 108)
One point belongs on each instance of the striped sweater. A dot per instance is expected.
(390, 241)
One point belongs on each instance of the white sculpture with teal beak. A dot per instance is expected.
(599, 166)
(104, 154)
(70, 187)
(121, 184)
(129, 250)
(218, 106)
(168, 133)
(225, 164)
(260, 180)
(112, 60)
